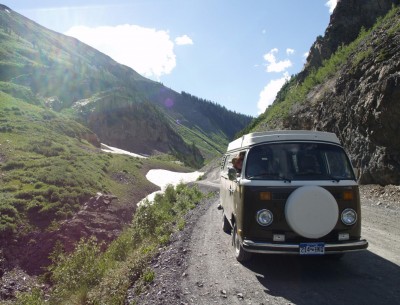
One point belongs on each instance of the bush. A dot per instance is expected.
(83, 268)
(8, 210)
(11, 165)
(34, 297)
(148, 276)
(9, 218)
(119, 248)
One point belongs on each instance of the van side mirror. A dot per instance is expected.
(232, 173)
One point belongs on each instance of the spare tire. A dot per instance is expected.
(311, 211)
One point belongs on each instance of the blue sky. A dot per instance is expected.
(233, 52)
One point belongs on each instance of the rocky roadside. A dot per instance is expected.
(170, 264)
(387, 196)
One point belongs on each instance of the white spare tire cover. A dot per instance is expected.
(311, 211)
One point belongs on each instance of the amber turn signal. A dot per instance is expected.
(265, 196)
(348, 195)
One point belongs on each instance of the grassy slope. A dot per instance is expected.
(48, 169)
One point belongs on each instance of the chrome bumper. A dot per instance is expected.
(284, 248)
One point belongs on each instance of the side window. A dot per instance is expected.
(226, 162)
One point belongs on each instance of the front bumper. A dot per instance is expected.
(284, 248)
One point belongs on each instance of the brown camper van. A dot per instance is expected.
(293, 192)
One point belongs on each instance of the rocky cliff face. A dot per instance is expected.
(361, 104)
(345, 24)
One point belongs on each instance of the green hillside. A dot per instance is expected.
(45, 68)
(48, 169)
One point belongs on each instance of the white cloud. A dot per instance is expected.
(268, 94)
(148, 51)
(273, 65)
(183, 40)
(305, 55)
(289, 51)
(331, 4)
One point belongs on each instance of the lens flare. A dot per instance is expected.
(169, 102)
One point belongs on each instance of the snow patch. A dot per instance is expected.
(163, 178)
(114, 150)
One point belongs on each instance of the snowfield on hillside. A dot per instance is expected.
(163, 178)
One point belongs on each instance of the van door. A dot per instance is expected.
(230, 188)
(227, 187)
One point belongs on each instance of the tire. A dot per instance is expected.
(308, 203)
(240, 254)
(226, 226)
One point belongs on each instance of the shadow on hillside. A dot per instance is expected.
(359, 278)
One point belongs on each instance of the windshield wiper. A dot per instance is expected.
(337, 179)
(263, 175)
(274, 176)
(285, 179)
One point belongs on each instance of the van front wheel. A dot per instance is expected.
(240, 254)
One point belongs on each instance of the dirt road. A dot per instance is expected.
(199, 267)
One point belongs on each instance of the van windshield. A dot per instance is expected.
(298, 161)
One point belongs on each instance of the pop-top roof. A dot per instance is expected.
(282, 135)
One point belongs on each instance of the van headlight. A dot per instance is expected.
(265, 217)
(349, 217)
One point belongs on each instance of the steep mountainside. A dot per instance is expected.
(346, 22)
(355, 93)
(46, 68)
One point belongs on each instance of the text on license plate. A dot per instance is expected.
(312, 249)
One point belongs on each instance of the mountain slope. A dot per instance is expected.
(355, 93)
(46, 68)
(57, 185)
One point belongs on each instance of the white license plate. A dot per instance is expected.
(312, 249)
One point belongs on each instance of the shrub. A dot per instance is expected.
(38, 185)
(148, 276)
(9, 218)
(34, 297)
(83, 268)
(119, 248)
(11, 165)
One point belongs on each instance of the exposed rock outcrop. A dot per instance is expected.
(345, 24)
(361, 104)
